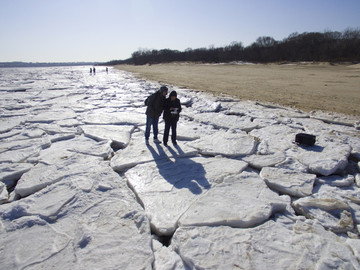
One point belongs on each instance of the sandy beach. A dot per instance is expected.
(304, 86)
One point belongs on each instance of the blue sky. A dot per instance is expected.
(104, 30)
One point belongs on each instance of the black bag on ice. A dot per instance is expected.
(306, 139)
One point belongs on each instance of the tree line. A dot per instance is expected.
(328, 46)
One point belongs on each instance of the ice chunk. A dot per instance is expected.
(113, 229)
(226, 144)
(45, 204)
(37, 178)
(226, 121)
(357, 179)
(19, 142)
(20, 155)
(167, 188)
(79, 145)
(20, 251)
(337, 180)
(261, 161)
(268, 246)
(11, 172)
(274, 138)
(325, 160)
(189, 131)
(241, 201)
(332, 213)
(120, 135)
(4, 195)
(288, 181)
(137, 153)
(166, 258)
(50, 116)
(355, 246)
(43, 175)
(115, 118)
(7, 124)
(205, 105)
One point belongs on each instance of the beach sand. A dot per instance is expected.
(304, 86)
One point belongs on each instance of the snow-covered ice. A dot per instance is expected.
(289, 182)
(79, 189)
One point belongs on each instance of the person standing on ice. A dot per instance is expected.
(172, 110)
(155, 106)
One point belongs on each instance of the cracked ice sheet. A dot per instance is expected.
(45, 204)
(11, 172)
(100, 222)
(167, 188)
(19, 142)
(52, 115)
(110, 224)
(271, 245)
(20, 155)
(247, 203)
(137, 152)
(189, 131)
(226, 121)
(225, 143)
(335, 208)
(255, 110)
(119, 134)
(275, 138)
(325, 158)
(17, 150)
(288, 181)
(42, 175)
(127, 117)
(7, 124)
(4, 196)
(96, 216)
(20, 250)
(62, 150)
(261, 161)
(166, 258)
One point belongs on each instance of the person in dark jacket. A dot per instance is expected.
(155, 107)
(172, 110)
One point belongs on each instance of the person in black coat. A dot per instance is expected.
(155, 107)
(172, 110)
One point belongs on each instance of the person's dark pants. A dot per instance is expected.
(154, 123)
(170, 124)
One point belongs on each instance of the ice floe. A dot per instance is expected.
(80, 189)
(226, 143)
(288, 181)
(305, 244)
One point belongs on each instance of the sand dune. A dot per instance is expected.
(305, 86)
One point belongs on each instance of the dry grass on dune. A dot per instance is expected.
(305, 86)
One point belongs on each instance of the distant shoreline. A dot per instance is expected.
(304, 86)
(44, 64)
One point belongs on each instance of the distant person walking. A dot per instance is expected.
(172, 109)
(90, 70)
(155, 106)
(107, 70)
(94, 70)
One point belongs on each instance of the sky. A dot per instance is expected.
(104, 30)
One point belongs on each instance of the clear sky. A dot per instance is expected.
(104, 30)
